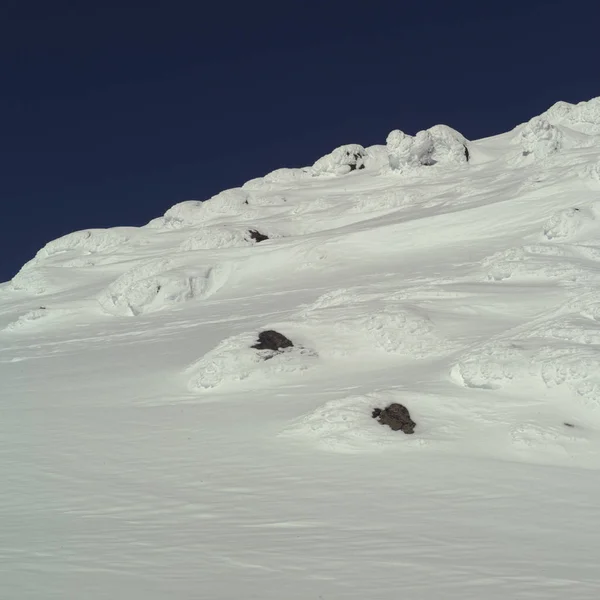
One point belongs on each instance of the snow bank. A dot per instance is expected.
(158, 285)
(233, 361)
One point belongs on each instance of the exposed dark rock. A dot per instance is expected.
(272, 340)
(257, 236)
(356, 160)
(569, 424)
(467, 155)
(396, 416)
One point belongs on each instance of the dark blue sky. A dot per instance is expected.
(111, 112)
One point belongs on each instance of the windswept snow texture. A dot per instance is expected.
(148, 451)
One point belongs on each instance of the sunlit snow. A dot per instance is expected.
(149, 452)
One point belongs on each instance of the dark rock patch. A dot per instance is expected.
(568, 424)
(257, 236)
(467, 155)
(272, 340)
(396, 416)
(356, 160)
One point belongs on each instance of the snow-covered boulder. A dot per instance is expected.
(345, 425)
(235, 360)
(449, 146)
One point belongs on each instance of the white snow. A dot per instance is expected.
(149, 452)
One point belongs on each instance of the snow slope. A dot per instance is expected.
(149, 452)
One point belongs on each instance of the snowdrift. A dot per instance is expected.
(157, 285)
(234, 361)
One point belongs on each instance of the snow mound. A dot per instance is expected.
(406, 151)
(333, 298)
(77, 249)
(567, 223)
(233, 361)
(345, 425)
(439, 144)
(271, 200)
(341, 328)
(583, 117)
(558, 112)
(315, 205)
(34, 318)
(229, 203)
(537, 262)
(540, 139)
(341, 161)
(553, 442)
(525, 365)
(278, 177)
(157, 285)
(592, 174)
(449, 146)
(36, 280)
(218, 236)
(376, 157)
(88, 241)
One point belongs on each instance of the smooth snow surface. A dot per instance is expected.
(148, 452)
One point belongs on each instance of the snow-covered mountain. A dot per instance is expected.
(149, 451)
